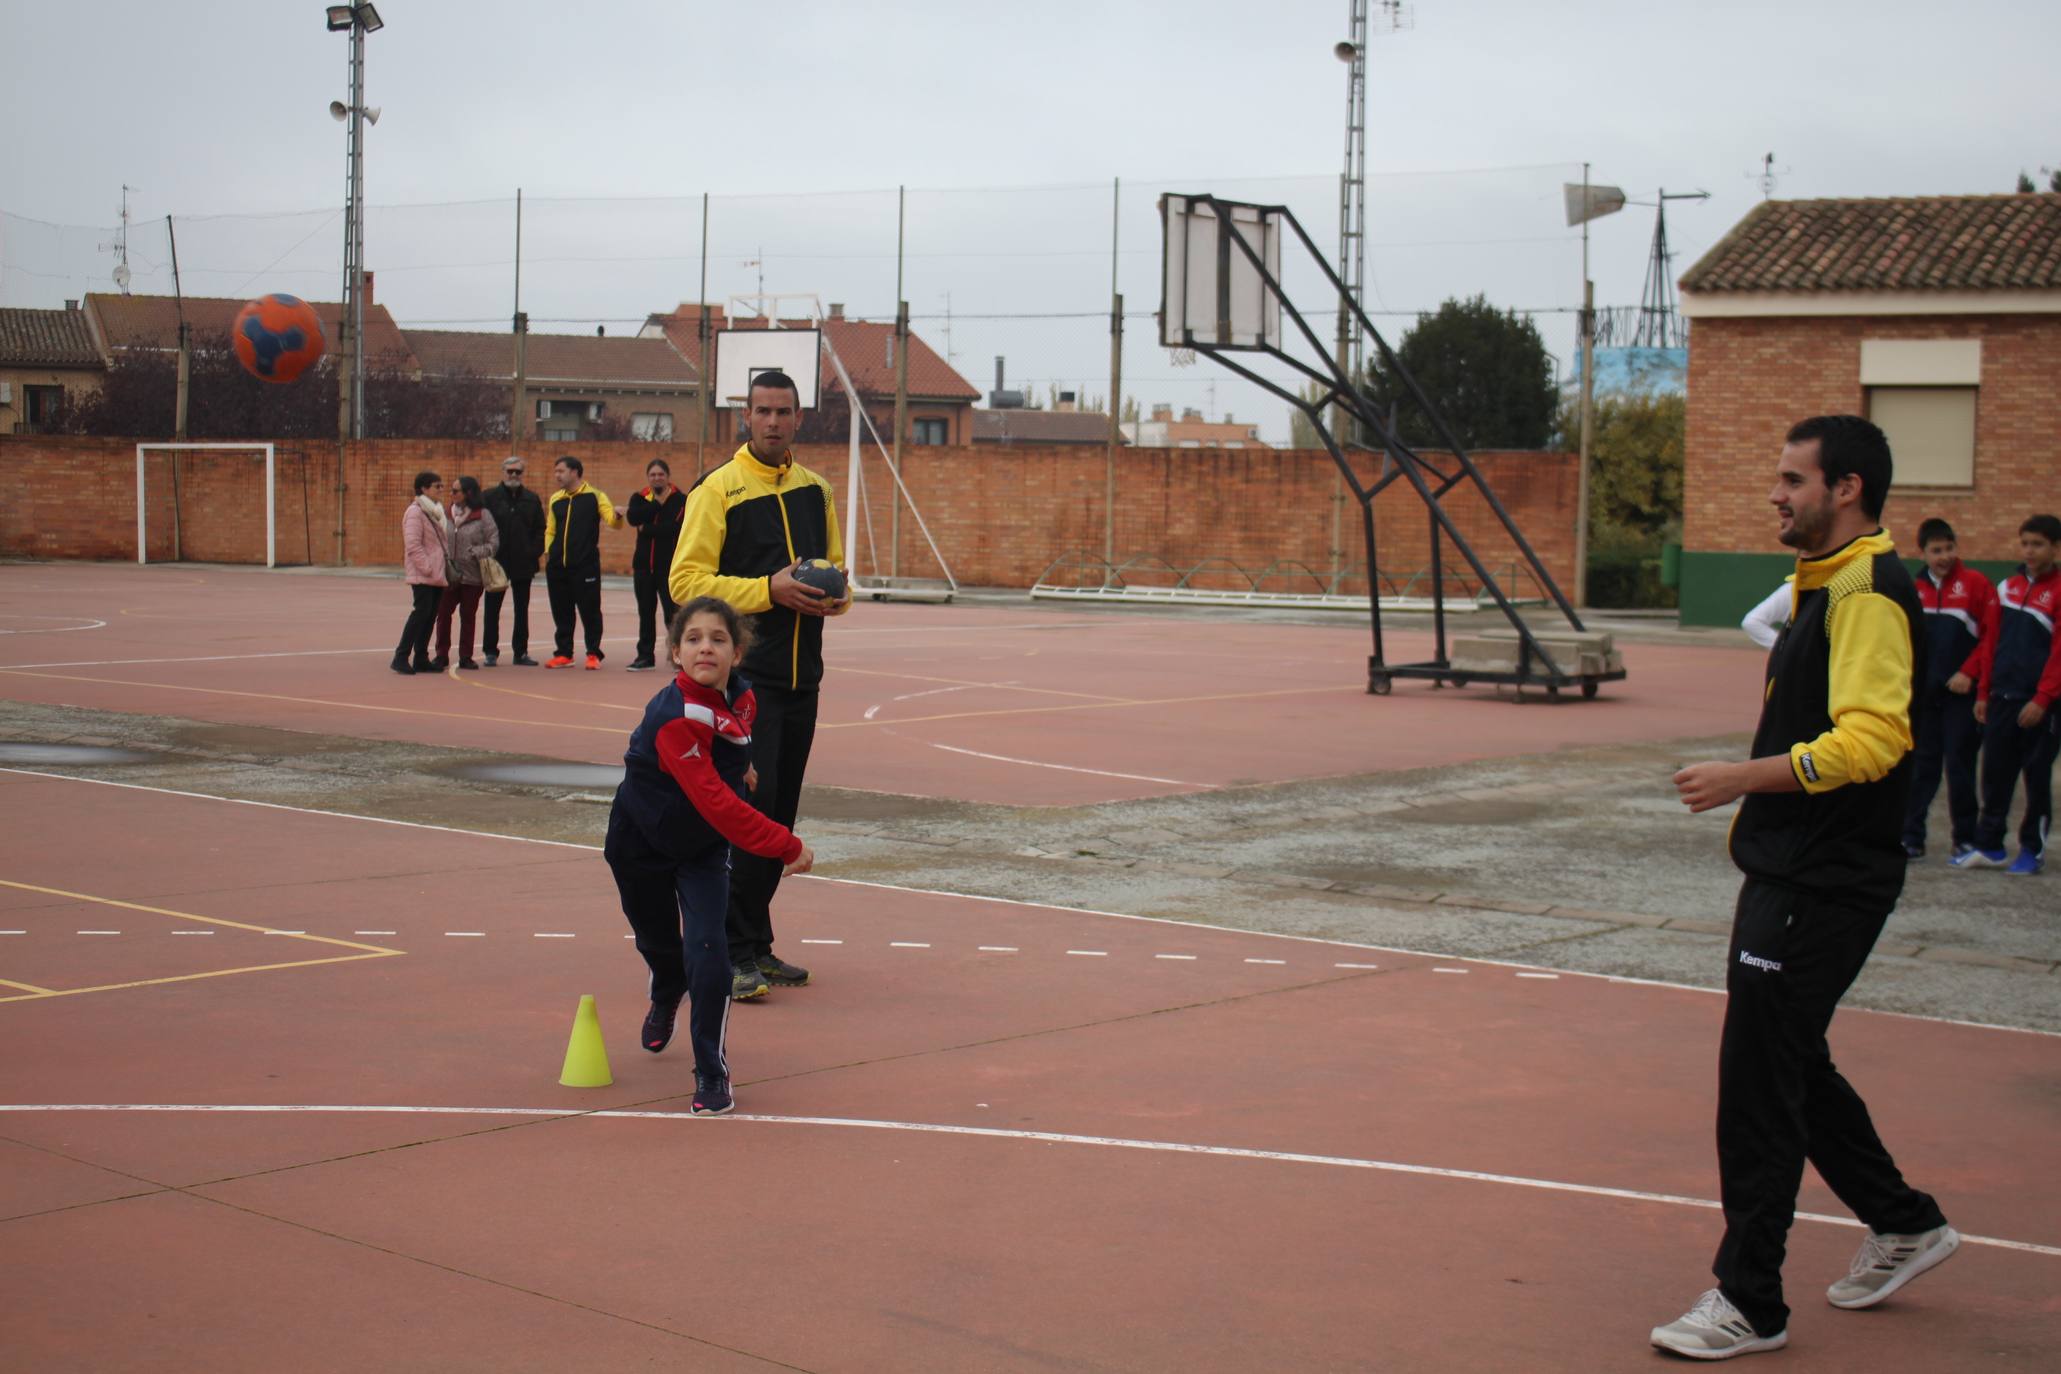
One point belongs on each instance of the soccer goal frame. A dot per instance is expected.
(142, 500)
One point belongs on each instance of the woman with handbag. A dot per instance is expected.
(474, 540)
(425, 555)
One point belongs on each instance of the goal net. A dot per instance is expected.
(206, 503)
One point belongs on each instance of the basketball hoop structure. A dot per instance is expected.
(1221, 296)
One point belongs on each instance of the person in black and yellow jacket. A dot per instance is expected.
(655, 513)
(573, 522)
(748, 524)
(1818, 837)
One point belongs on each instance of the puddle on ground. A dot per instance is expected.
(540, 774)
(17, 753)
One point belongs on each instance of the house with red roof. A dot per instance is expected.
(940, 401)
(1937, 317)
(575, 386)
(44, 353)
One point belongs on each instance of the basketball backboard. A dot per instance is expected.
(1212, 293)
(742, 354)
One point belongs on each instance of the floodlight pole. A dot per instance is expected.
(1116, 387)
(351, 420)
(708, 378)
(1587, 327)
(519, 326)
(894, 517)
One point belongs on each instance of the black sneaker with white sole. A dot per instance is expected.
(711, 1096)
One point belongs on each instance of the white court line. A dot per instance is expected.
(99, 932)
(1091, 953)
(1449, 970)
(1356, 966)
(1266, 961)
(1017, 902)
(822, 942)
(198, 658)
(871, 711)
(91, 624)
(551, 935)
(1069, 768)
(906, 944)
(375, 932)
(193, 932)
(1538, 975)
(286, 932)
(1000, 949)
(999, 1133)
(466, 934)
(13, 932)
(1173, 956)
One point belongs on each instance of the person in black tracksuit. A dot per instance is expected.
(748, 524)
(1818, 836)
(655, 513)
(1960, 616)
(573, 522)
(677, 812)
(519, 515)
(2015, 699)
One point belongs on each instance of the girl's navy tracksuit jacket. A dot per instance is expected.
(678, 810)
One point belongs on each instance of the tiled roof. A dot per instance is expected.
(572, 359)
(1905, 243)
(153, 322)
(47, 338)
(1040, 427)
(862, 345)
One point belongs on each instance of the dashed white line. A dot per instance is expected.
(1538, 975)
(1448, 970)
(1266, 961)
(375, 932)
(13, 932)
(1091, 953)
(286, 932)
(1174, 956)
(1356, 966)
(871, 711)
(466, 934)
(100, 932)
(999, 949)
(822, 942)
(193, 932)
(907, 944)
(551, 935)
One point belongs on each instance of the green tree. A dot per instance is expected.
(1635, 460)
(1486, 370)
(2027, 186)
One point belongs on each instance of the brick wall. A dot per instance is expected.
(1750, 379)
(1000, 517)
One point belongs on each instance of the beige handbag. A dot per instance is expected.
(492, 574)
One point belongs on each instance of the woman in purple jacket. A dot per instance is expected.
(425, 544)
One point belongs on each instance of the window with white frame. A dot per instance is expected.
(929, 430)
(656, 426)
(1924, 394)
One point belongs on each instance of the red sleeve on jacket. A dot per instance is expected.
(1992, 614)
(1982, 604)
(683, 751)
(2049, 690)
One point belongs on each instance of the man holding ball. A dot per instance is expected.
(749, 528)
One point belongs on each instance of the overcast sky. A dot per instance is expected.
(218, 109)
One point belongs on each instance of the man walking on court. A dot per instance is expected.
(749, 523)
(519, 516)
(572, 558)
(1818, 838)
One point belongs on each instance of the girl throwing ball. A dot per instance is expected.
(677, 812)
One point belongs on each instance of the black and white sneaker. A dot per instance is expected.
(642, 663)
(1886, 1263)
(658, 1025)
(1714, 1330)
(711, 1096)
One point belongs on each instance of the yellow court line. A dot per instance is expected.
(840, 671)
(189, 916)
(25, 987)
(304, 701)
(211, 973)
(540, 696)
(1087, 706)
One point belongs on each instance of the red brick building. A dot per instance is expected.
(1938, 317)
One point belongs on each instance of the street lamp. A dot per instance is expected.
(357, 20)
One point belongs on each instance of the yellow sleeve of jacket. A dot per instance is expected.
(700, 552)
(550, 522)
(1870, 697)
(833, 541)
(607, 508)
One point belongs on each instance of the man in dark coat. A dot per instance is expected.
(519, 516)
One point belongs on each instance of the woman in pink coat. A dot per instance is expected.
(426, 543)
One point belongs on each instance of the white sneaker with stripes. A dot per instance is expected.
(1714, 1330)
(1887, 1263)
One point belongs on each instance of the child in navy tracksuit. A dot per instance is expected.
(677, 812)
(2015, 699)
(1960, 616)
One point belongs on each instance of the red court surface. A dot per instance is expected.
(1022, 706)
(991, 1136)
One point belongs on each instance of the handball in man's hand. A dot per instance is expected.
(824, 577)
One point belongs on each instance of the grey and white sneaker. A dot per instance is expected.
(1887, 1263)
(1714, 1330)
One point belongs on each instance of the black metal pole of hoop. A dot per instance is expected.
(1400, 460)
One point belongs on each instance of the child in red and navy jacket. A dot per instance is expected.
(678, 811)
(2014, 700)
(1960, 616)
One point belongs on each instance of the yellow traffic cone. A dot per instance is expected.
(586, 1058)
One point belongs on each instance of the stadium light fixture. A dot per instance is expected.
(368, 18)
(339, 17)
(1345, 50)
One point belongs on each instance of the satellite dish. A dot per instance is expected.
(338, 111)
(121, 275)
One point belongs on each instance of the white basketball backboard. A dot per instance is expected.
(1212, 293)
(742, 354)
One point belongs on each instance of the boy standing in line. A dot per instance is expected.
(1960, 614)
(2014, 701)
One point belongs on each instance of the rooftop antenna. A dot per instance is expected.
(760, 263)
(1766, 176)
(950, 352)
(120, 246)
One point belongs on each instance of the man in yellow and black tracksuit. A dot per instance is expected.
(573, 521)
(748, 523)
(1818, 836)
